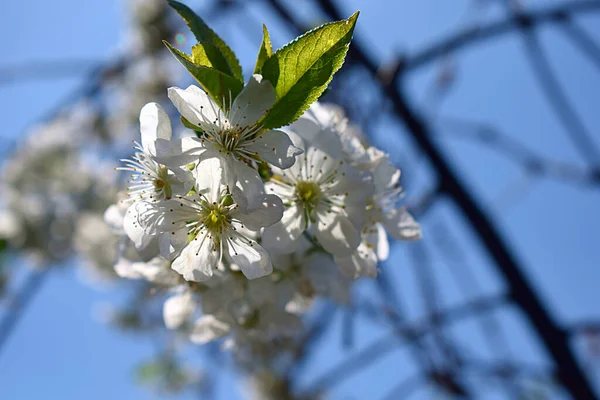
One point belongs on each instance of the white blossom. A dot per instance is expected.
(178, 308)
(323, 192)
(96, 244)
(234, 132)
(252, 310)
(255, 254)
(11, 228)
(205, 227)
(151, 181)
(326, 127)
(311, 274)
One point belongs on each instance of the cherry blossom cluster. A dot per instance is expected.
(245, 226)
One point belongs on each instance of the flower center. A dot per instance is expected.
(229, 140)
(215, 217)
(308, 193)
(161, 185)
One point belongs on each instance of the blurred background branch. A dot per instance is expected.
(444, 362)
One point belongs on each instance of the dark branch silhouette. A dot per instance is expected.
(576, 131)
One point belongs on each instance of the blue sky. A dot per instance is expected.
(61, 351)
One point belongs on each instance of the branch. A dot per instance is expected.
(471, 36)
(91, 86)
(502, 369)
(18, 305)
(522, 293)
(585, 327)
(402, 333)
(100, 73)
(422, 266)
(532, 162)
(576, 131)
(582, 40)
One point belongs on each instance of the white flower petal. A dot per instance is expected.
(382, 246)
(157, 270)
(270, 212)
(181, 181)
(401, 225)
(315, 127)
(222, 293)
(154, 124)
(195, 105)
(132, 226)
(114, 216)
(251, 190)
(207, 328)
(298, 304)
(253, 101)
(198, 260)
(177, 309)
(307, 127)
(11, 225)
(336, 233)
(276, 148)
(125, 269)
(170, 245)
(385, 176)
(168, 216)
(210, 177)
(162, 148)
(363, 262)
(253, 260)
(282, 236)
(182, 151)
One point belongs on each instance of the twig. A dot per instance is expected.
(472, 36)
(523, 293)
(576, 131)
(531, 161)
(401, 334)
(19, 304)
(582, 40)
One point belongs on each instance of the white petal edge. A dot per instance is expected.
(177, 309)
(207, 328)
(282, 237)
(195, 105)
(154, 124)
(276, 148)
(401, 225)
(269, 213)
(337, 234)
(252, 259)
(198, 260)
(132, 227)
(253, 101)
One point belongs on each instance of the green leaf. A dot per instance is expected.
(220, 55)
(265, 51)
(217, 84)
(208, 55)
(188, 124)
(301, 70)
(199, 56)
(150, 372)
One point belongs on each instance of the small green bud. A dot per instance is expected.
(227, 201)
